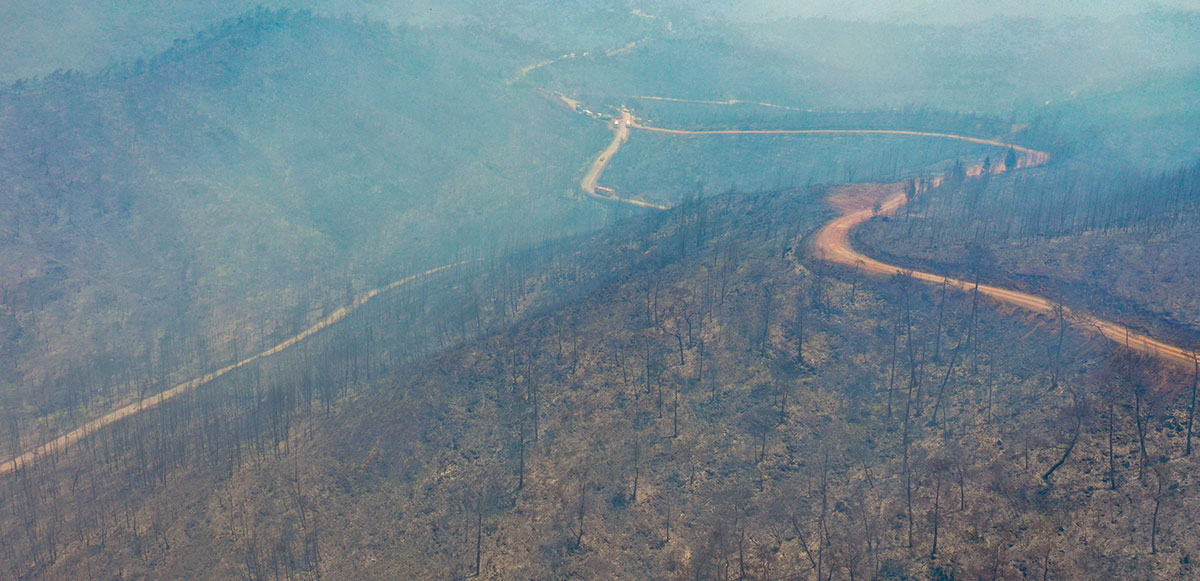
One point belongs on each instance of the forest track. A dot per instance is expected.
(832, 241)
(65, 441)
(590, 179)
(1035, 157)
(725, 102)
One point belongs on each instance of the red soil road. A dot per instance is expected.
(64, 441)
(858, 204)
(832, 243)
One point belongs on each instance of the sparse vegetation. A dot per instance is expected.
(599, 389)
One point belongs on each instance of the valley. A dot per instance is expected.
(590, 290)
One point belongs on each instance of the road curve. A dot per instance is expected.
(620, 136)
(832, 242)
(64, 441)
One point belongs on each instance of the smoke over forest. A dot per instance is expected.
(763, 290)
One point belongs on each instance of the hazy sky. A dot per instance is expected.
(948, 11)
(37, 37)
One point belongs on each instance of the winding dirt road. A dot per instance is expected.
(832, 241)
(66, 440)
(590, 179)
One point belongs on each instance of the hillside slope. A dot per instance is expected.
(224, 193)
(714, 405)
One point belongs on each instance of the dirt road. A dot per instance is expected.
(1030, 157)
(590, 179)
(66, 440)
(726, 102)
(832, 241)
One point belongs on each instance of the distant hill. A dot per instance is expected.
(265, 167)
(1152, 121)
(38, 38)
(607, 393)
(995, 66)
